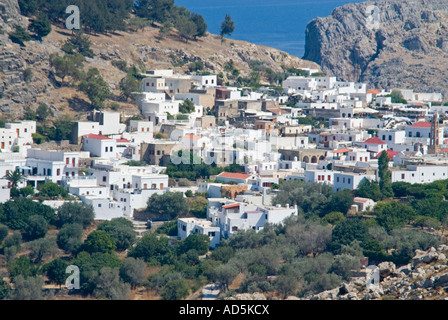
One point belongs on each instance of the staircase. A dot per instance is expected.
(140, 227)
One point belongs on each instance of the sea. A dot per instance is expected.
(279, 24)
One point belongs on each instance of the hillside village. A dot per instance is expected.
(316, 129)
(243, 173)
(261, 131)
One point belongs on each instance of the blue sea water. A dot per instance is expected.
(279, 24)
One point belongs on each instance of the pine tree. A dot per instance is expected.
(227, 26)
(41, 26)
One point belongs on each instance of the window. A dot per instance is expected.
(107, 149)
(111, 149)
(211, 234)
(402, 176)
(104, 179)
(99, 205)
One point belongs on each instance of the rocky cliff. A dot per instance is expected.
(386, 43)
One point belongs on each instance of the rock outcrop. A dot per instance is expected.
(386, 43)
(425, 278)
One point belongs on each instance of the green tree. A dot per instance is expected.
(394, 214)
(95, 87)
(175, 290)
(70, 65)
(19, 36)
(5, 289)
(17, 212)
(384, 175)
(346, 232)
(40, 26)
(397, 97)
(55, 271)
(334, 217)
(14, 178)
(28, 288)
(227, 26)
(128, 85)
(80, 43)
(21, 266)
(109, 285)
(121, 230)
(186, 28)
(369, 189)
(195, 241)
(340, 201)
(70, 237)
(187, 106)
(76, 212)
(153, 247)
(28, 7)
(165, 29)
(172, 204)
(52, 190)
(42, 248)
(37, 227)
(42, 112)
(154, 10)
(3, 232)
(99, 241)
(224, 275)
(201, 25)
(133, 271)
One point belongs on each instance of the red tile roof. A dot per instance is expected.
(96, 137)
(422, 124)
(391, 154)
(123, 140)
(230, 206)
(191, 137)
(342, 150)
(373, 91)
(374, 140)
(233, 175)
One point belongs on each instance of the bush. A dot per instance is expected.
(52, 190)
(75, 212)
(70, 237)
(37, 228)
(121, 230)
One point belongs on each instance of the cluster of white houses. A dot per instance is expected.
(257, 130)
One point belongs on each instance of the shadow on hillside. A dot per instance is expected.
(79, 105)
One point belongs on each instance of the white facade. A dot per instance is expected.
(187, 226)
(205, 81)
(348, 180)
(100, 146)
(420, 174)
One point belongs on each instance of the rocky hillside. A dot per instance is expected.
(425, 278)
(407, 48)
(143, 49)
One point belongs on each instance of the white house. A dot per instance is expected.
(232, 216)
(52, 165)
(420, 174)
(205, 81)
(187, 226)
(349, 180)
(100, 146)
